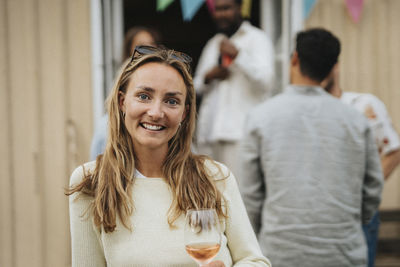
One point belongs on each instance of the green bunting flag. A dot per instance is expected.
(163, 4)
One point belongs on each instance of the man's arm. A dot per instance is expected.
(385, 134)
(216, 73)
(389, 162)
(251, 178)
(373, 180)
(256, 61)
(208, 61)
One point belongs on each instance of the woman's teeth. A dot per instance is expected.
(152, 127)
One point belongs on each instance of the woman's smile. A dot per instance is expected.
(152, 127)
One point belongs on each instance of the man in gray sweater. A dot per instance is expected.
(311, 172)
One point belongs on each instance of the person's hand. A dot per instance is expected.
(228, 48)
(331, 82)
(328, 83)
(218, 72)
(215, 264)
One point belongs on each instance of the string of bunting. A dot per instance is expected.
(354, 8)
(190, 7)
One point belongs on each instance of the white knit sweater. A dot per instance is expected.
(152, 242)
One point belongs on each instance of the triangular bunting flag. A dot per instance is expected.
(246, 8)
(189, 8)
(307, 7)
(211, 6)
(163, 4)
(355, 7)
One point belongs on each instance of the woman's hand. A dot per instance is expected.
(215, 264)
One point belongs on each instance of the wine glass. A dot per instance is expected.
(202, 235)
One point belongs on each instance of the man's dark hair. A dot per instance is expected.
(318, 52)
(238, 2)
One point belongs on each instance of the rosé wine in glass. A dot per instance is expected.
(202, 235)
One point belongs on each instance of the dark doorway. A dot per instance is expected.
(188, 37)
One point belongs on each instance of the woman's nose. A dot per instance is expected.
(155, 111)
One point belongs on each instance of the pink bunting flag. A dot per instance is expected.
(355, 7)
(211, 6)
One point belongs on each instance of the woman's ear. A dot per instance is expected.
(121, 101)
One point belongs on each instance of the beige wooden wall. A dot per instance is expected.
(370, 59)
(46, 124)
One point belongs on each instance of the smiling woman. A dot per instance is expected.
(154, 109)
(128, 207)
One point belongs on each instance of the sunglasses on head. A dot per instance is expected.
(147, 50)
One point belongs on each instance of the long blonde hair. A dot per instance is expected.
(111, 182)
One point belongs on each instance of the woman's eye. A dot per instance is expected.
(143, 97)
(172, 102)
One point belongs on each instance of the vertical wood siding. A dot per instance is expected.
(46, 118)
(370, 59)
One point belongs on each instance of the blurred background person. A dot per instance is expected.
(139, 35)
(235, 72)
(311, 173)
(128, 207)
(386, 137)
(135, 36)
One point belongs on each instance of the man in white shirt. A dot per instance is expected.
(234, 73)
(386, 138)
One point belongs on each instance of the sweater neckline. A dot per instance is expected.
(139, 175)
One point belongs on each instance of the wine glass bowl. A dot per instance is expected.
(202, 235)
